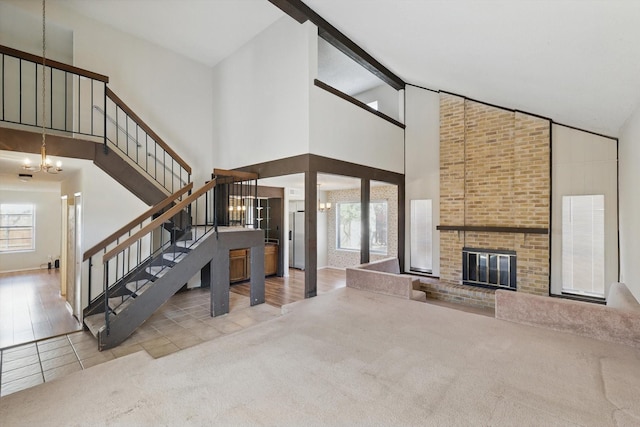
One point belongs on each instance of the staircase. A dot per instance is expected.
(132, 272)
(150, 259)
(85, 119)
(143, 264)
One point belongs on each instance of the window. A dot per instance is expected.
(341, 72)
(349, 230)
(583, 245)
(17, 225)
(421, 243)
(373, 104)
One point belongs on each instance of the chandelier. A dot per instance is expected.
(46, 164)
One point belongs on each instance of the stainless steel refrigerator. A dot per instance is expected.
(296, 240)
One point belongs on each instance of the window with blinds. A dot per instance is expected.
(17, 227)
(583, 260)
(421, 257)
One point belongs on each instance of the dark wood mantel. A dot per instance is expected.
(485, 229)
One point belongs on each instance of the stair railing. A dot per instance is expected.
(128, 133)
(71, 93)
(93, 257)
(149, 244)
(79, 103)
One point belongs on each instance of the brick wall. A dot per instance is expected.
(494, 171)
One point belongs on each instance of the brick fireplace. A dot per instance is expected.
(494, 191)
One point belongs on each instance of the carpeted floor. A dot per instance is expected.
(354, 358)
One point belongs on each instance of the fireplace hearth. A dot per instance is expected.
(489, 268)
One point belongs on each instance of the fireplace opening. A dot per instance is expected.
(489, 268)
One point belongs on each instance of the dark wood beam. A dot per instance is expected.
(354, 101)
(292, 10)
(301, 13)
(485, 229)
(365, 199)
(310, 234)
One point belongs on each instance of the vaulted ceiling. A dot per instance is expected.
(577, 62)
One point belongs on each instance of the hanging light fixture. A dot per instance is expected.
(46, 164)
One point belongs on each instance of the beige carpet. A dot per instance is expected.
(354, 358)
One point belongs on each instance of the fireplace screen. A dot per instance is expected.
(488, 267)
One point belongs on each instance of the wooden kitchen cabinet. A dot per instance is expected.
(239, 267)
(270, 259)
(240, 263)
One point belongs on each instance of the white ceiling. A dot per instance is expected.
(204, 30)
(577, 62)
(11, 165)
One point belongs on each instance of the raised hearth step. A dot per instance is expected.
(418, 296)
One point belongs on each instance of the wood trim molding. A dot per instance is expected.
(302, 13)
(120, 103)
(525, 230)
(54, 64)
(243, 176)
(148, 213)
(340, 94)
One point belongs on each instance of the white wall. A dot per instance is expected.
(387, 97)
(583, 164)
(106, 206)
(23, 30)
(170, 92)
(344, 131)
(629, 155)
(422, 176)
(46, 199)
(261, 97)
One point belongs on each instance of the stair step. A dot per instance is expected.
(139, 286)
(116, 302)
(174, 256)
(419, 296)
(95, 323)
(157, 270)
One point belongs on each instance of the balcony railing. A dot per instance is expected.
(79, 103)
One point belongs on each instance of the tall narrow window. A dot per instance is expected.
(17, 225)
(583, 245)
(421, 239)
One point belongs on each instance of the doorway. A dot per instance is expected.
(74, 256)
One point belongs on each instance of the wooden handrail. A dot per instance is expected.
(151, 211)
(158, 221)
(245, 176)
(54, 64)
(120, 103)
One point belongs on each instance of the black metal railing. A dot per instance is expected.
(79, 103)
(153, 249)
(137, 141)
(69, 95)
(237, 195)
(92, 259)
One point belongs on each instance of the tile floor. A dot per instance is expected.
(182, 322)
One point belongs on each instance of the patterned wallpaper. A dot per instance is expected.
(345, 258)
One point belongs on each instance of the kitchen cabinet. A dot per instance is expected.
(240, 263)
